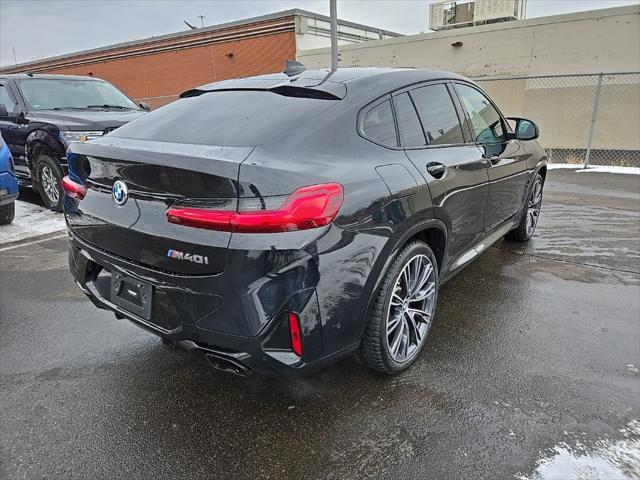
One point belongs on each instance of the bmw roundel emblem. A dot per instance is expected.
(120, 192)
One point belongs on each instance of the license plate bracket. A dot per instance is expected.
(132, 294)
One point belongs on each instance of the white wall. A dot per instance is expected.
(314, 33)
(597, 41)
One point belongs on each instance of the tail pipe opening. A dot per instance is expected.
(228, 365)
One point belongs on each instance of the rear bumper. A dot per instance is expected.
(183, 313)
(4, 199)
(8, 188)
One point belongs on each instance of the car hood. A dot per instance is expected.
(98, 120)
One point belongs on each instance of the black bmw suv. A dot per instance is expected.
(280, 222)
(40, 115)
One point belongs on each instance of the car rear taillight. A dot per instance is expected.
(294, 331)
(307, 207)
(73, 189)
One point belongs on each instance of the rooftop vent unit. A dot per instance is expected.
(452, 14)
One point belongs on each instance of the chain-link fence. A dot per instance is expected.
(583, 119)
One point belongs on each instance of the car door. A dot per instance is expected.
(451, 165)
(508, 174)
(14, 133)
(8, 122)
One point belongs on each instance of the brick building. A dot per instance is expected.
(156, 70)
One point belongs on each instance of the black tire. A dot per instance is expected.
(375, 350)
(168, 343)
(524, 231)
(7, 213)
(49, 182)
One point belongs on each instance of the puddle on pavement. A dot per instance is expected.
(606, 459)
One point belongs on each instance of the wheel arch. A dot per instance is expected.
(433, 232)
(39, 141)
(542, 170)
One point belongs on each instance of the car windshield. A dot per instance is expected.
(71, 94)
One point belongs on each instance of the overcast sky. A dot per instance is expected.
(43, 28)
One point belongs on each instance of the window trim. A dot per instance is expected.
(370, 106)
(414, 86)
(505, 125)
(450, 83)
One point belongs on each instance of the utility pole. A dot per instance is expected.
(333, 13)
(594, 116)
(201, 17)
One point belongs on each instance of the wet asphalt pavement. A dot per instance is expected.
(532, 346)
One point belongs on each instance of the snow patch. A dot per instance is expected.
(606, 460)
(30, 221)
(595, 169)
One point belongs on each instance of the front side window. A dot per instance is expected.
(486, 122)
(411, 134)
(6, 100)
(378, 125)
(438, 115)
(73, 94)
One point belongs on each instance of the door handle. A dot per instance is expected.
(436, 169)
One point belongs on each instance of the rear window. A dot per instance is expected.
(411, 134)
(232, 118)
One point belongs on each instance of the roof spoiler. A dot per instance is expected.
(292, 68)
(284, 90)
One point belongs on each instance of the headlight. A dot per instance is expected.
(71, 136)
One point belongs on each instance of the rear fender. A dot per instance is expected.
(389, 254)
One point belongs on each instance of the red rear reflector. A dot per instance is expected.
(294, 330)
(73, 189)
(307, 207)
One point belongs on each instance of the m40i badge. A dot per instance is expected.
(189, 257)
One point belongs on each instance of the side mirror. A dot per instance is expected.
(3, 110)
(145, 106)
(525, 129)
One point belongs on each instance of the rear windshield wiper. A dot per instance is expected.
(119, 107)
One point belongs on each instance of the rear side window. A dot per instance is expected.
(378, 125)
(236, 118)
(486, 122)
(438, 115)
(411, 134)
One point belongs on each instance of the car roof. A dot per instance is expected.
(359, 82)
(26, 76)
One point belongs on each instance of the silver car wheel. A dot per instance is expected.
(411, 308)
(533, 207)
(50, 184)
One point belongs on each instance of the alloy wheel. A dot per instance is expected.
(50, 184)
(411, 308)
(533, 207)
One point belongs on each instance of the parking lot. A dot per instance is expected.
(533, 361)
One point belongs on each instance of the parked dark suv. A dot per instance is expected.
(40, 115)
(279, 223)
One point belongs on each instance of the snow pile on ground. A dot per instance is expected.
(606, 460)
(595, 169)
(30, 221)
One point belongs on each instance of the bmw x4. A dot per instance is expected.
(279, 223)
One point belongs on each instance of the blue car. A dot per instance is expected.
(8, 185)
